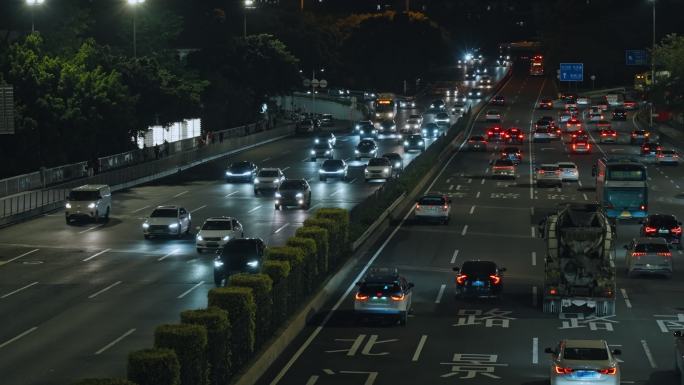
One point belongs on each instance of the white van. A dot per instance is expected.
(91, 201)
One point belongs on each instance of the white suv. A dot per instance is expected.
(216, 231)
(268, 179)
(92, 201)
(167, 220)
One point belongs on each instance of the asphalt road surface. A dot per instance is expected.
(448, 340)
(75, 300)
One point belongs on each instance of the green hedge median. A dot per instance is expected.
(153, 367)
(341, 217)
(216, 322)
(320, 236)
(239, 303)
(334, 238)
(279, 271)
(190, 344)
(262, 286)
(295, 256)
(310, 267)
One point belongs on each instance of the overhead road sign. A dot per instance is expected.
(571, 72)
(636, 57)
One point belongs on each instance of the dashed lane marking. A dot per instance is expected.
(180, 193)
(585, 196)
(190, 290)
(465, 230)
(419, 349)
(96, 255)
(17, 257)
(254, 209)
(140, 209)
(440, 294)
(535, 350)
(648, 354)
(90, 228)
(117, 283)
(453, 257)
(231, 194)
(534, 296)
(19, 289)
(31, 330)
(109, 345)
(482, 181)
(167, 255)
(532, 230)
(451, 187)
(470, 180)
(281, 228)
(472, 210)
(199, 208)
(477, 195)
(628, 303)
(458, 187)
(534, 258)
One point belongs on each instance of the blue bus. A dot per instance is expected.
(622, 187)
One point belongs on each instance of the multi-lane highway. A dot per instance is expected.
(448, 340)
(76, 300)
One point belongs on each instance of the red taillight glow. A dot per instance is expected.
(650, 229)
(445, 208)
(609, 371)
(399, 297)
(642, 207)
(553, 291)
(461, 278)
(417, 207)
(361, 297)
(664, 254)
(495, 279)
(638, 254)
(562, 370)
(676, 230)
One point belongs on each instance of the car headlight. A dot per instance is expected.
(256, 180)
(420, 143)
(357, 127)
(199, 237)
(356, 151)
(299, 195)
(173, 225)
(406, 143)
(278, 195)
(229, 173)
(327, 152)
(218, 263)
(253, 264)
(386, 170)
(316, 141)
(91, 206)
(145, 225)
(397, 164)
(276, 180)
(68, 205)
(424, 130)
(227, 237)
(313, 152)
(479, 93)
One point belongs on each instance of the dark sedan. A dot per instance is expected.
(293, 192)
(238, 255)
(414, 143)
(241, 171)
(663, 226)
(479, 279)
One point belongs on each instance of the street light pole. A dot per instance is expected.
(33, 4)
(653, 79)
(135, 4)
(248, 4)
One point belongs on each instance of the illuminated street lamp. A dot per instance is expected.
(33, 4)
(134, 4)
(249, 4)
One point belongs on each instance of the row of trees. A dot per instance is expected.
(80, 95)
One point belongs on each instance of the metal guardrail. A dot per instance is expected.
(22, 206)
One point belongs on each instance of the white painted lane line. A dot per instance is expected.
(335, 192)
(448, 180)
(477, 195)
(2, 345)
(286, 168)
(281, 228)
(167, 255)
(482, 181)
(486, 170)
(19, 289)
(254, 209)
(90, 228)
(626, 297)
(465, 229)
(534, 258)
(440, 293)
(534, 296)
(313, 207)
(140, 209)
(532, 211)
(585, 197)
(180, 193)
(352, 181)
(451, 187)
(453, 257)
(305, 160)
(96, 255)
(532, 230)
(535, 350)
(314, 379)
(231, 194)
(109, 345)
(266, 159)
(19, 256)
(472, 210)
(648, 354)
(199, 208)
(105, 289)
(470, 180)
(458, 187)
(579, 183)
(419, 349)
(190, 290)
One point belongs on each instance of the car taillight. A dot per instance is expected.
(553, 291)
(650, 229)
(361, 297)
(633, 133)
(520, 136)
(489, 133)
(562, 370)
(588, 146)
(417, 206)
(642, 207)
(664, 254)
(604, 134)
(676, 230)
(399, 297)
(614, 134)
(461, 278)
(638, 254)
(558, 172)
(574, 146)
(495, 279)
(445, 208)
(610, 371)
(660, 156)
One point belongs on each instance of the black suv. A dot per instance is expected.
(663, 226)
(241, 171)
(396, 160)
(480, 279)
(414, 142)
(239, 255)
(293, 192)
(619, 114)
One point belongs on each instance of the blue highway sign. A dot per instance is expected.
(571, 72)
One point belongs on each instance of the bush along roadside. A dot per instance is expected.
(213, 345)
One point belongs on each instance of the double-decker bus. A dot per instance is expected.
(621, 187)
(537, 65)
(385, 106)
